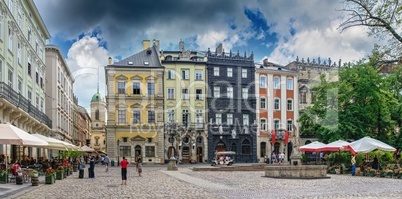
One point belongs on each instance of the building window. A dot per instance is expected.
(149, 151)
(245, 147)
(245, 93)
(263, 149)
(10, 78)
(10, 40)
(125, 151)
(198, 75)
(185, 117)
(151, 88)
(37, 77)
(136, 88)
(198, 94)
(185, 74)
(216, 71)
(19, 86)
(170, 93)
(276, 125)
(37, 100)
(245, 120)
(97, 114)
(121, 89)
(290, 105)
(170, 115)
(263, 123)
(136, 117)
(290, 125)
(19, 53)
(263, 103)
(303, 97)
(41, 105)
(263, 82)
(184, 94)
(244, 73)
(29, 96)
(151, 116)
(229, 119)
(289, 84)
(277, 82)
(217, 91)
(229, 92)
(198, 118)
(171, 74)
(230, 72)
(30, 70)
(218, 118)
(277, 105)
(122, 116)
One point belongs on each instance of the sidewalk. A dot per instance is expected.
(10, 189)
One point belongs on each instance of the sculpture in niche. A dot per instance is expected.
(233, 134)
(220, 129)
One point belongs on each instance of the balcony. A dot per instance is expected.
(16, 99)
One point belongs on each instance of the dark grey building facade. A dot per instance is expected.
(231, 105)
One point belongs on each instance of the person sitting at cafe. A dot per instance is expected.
(15, 168)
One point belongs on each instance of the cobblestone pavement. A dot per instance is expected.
(157, 182)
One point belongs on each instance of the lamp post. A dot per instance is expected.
(171, 132)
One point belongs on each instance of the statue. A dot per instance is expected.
(220, 129)
(233, 134)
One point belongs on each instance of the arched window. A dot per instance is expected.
(263, 81)
(245, 147)
(97, 114)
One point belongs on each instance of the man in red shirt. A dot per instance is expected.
(124, 163)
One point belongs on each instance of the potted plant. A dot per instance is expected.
(49, 176)
(35, 173)
(3, 175)
(60, 173)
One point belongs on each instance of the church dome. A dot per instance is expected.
(97, 98)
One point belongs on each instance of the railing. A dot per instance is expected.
(18, 100)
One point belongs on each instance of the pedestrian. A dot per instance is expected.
(92, 167)
(139, 165)
(106, 162)
(124, 163)
(353, 161)
(273, 157)
(136, 163)
(177, 160)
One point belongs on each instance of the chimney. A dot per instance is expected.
(145, 44)
(109, 61)
(156, 44)
(219, 49)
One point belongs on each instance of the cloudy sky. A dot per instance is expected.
(89, 31)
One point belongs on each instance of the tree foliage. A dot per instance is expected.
(381, 17)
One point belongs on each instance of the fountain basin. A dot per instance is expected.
(296, 172)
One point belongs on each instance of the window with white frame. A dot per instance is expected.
(121, 87)
(216, 71)
(263, 81)
(30, 95)
(277, 83)
(198, 75)
(244, 73)
(218, 118)
(229, 92)
(290, 125)
(244, 93)
(277, 104)
(290, 105)
(19, 53)
(170, 93)
(198, 94)
(246, 121)
(289, 84)
(303, 97)
(185, 117)
(263, 123)
(263, 103)
(185, 74)
(37, 100)
(276, 124)
(136, 88)
(184, 93)
(171, 74)
(171, 115)
(198, 117)
(229, 119)
(41, 105)
(10, 39)
(136, 116)
(229, 72)
(151, 88)
(217, 91)
(121, 116)
(10, 78)
(151, 117)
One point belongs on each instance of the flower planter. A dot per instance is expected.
(35, 175)
(49, 179)
(4, 177)
(59, 174)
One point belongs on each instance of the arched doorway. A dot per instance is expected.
(199, 154)
(137, 150)
(220, 147)
(186, 154)
(199, 151)
(171, 151)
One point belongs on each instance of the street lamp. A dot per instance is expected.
(171, 131)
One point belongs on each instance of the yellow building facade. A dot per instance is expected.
(135, 107)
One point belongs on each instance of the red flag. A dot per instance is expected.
(286, 137)
(273, 136)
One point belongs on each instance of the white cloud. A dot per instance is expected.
(84, 58)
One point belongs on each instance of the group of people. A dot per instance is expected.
(280, 159)
(124, 164)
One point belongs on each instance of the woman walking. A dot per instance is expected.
(139, 165)
(124, 163)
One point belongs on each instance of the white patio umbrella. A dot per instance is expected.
(334, 146)
(53, 143)
(10, 134)
(312, 147)
(87, 149)
(367, 144)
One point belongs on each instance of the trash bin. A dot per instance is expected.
(112, 163)
(81, 173)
